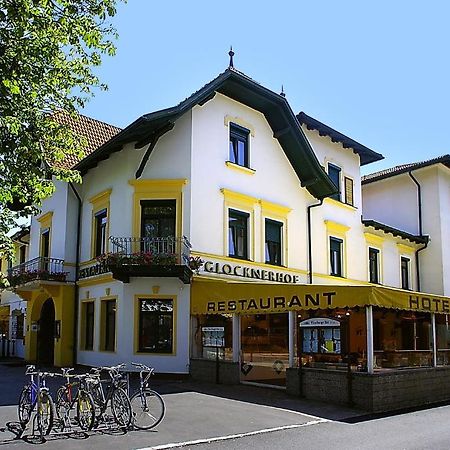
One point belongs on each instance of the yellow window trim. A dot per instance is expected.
(335, 227)
(136, 323)
(238, 121)
(338, 203)
(100, 201)
(103, 301)
(239, 168)
(46, 219)
(374, 239)
(165, 189)
(238, 198)
(402, 248)
(82, 328)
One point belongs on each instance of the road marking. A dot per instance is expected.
(233, 436)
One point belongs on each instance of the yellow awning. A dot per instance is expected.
(217, 297)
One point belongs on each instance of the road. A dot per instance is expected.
(244, 417)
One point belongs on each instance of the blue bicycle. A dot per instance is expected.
(35, 396)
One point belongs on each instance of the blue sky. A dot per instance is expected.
(376, 71)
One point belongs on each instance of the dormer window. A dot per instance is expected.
(239, 137)
(334, 172)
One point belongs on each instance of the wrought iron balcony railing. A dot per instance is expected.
(40, 268)
(144, 257)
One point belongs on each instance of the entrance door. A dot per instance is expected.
(265, 348)
(46, 334)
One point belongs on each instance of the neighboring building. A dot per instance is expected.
(229, 212)
(416, 197)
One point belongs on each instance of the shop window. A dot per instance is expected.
(374, 265)
(336, 256)
(238, 234)
(156, 325)
(101, 221)
(109, 325)
(158, 218)
(87, 314)
(405, 262)
(334, 172)
(348, 189)
(239, 138)
(321, 336)
(443, 339)
(273, 247)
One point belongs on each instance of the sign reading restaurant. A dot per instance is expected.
(255, 273)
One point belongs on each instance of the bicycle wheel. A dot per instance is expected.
(121, 408)
(148, 409)
(25, 406)
(45, 413)
(85, 411)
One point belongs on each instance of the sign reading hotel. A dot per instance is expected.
(254, 273)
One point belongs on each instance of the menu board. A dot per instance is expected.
(213, 336)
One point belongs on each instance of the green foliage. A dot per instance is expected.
(48, 53)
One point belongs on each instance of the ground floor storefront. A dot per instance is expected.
(373, 347)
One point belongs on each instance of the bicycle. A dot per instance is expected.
(35, 394)
(147, 405)
(115, 396)
(66, 401)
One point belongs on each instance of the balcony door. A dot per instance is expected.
(158, 218)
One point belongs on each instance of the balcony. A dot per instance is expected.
(37, 269)
(144, 257)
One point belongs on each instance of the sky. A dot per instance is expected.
(377, 71)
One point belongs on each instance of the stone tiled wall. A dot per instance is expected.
(205, 370)
(383, 391)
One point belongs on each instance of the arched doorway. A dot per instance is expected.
(46, 334)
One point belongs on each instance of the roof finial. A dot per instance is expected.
(231, 53)
(282, 91)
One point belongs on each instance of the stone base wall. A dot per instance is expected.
(383, 391)
(205, 370)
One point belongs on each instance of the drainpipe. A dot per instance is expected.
(419, 206)
(310, 258)
(77, 265)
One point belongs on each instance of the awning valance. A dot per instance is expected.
(218, 297)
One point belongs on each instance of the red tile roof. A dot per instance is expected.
(94, 131)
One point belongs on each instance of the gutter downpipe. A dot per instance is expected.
(310, 280)
(77, 266)
(419, 206)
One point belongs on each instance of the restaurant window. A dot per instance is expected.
(336, 256)
(238, 234)
(374, 265)
(239, 138)
(109, 325)
(156, 325)
(334, 172)
(101, 220)
(88, 325)
(273, 249)
(443, 339)
(405, 272)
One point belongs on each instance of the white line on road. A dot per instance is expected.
(233, 436)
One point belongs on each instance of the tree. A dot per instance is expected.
(48, 53)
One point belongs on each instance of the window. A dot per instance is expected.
(373, 265)
(239, 145)
(101, 220)
(158, 218)
(334, 173)
(405, 272)
(336, 256)
(22, 254)
(238, 234)
(45, 243)
(109, 325)
(348, 186)
(273, 242)
(88, 320)
(155, 325)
